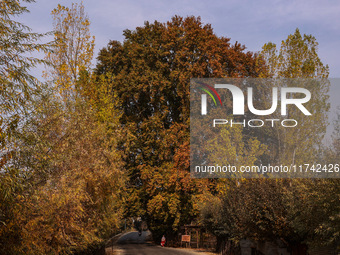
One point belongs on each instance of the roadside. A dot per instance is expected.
(151, 249)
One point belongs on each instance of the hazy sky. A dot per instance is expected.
(250, 22)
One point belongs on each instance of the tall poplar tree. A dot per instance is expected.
(276, 210)
(73, 48)
(297, 59)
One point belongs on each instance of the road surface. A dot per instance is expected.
(149, 249)
(132, 243)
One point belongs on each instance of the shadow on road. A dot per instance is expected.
(135, 238)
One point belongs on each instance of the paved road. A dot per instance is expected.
(150, 249)
(133, 244)
(134, 237)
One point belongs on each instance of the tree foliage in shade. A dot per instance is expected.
(151, 74)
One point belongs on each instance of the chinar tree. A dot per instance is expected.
(150, 72)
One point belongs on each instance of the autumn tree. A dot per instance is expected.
(73, 49)
(272, 209)
(332, 151)
(68, 170)
(77, 176)
(151, 74)
(17, 90)
(319, 219)
(313, 211)
(297, 60)
(74, 143)
(17, 85)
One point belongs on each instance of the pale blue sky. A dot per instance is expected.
(250, 22)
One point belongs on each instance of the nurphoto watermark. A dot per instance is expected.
(260, 128)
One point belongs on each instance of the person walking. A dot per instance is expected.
(163, 241)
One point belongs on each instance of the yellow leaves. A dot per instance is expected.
(82, 185)
(75, 173)
(165, 208)
(73, 48)
(297, 57)
(230, 147)
(61, 193)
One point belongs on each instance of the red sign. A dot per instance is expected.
(186, 238)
